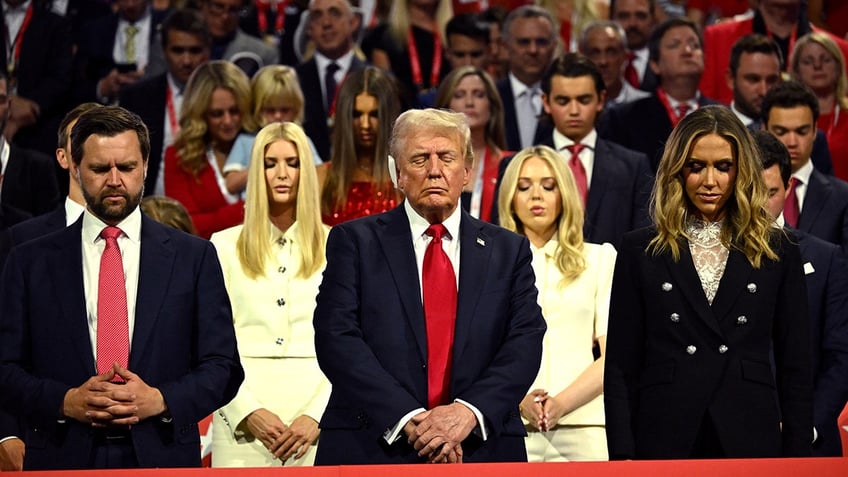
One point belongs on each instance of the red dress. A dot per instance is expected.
(201, 196)
(837, 140)
(363, 199)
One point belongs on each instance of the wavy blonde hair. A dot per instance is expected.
(569, 256)
(254, 248)
(275, 83)
(495, 129)
(826, 42)
(399, 23)
(747, 225)
(193, 139)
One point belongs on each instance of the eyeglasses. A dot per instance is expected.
(219, 8)
(526, 42)
(824, 60)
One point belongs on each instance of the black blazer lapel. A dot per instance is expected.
(601, 171)
(396, 244)
(815, 201)
(685, 274)
(736, 273)
(156, 263)
(474, 255)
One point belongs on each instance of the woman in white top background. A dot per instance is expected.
(272, 267)
(564, 410)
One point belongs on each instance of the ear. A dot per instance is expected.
(62, 159)
(545, 104)
(728, 77)
(655, 67)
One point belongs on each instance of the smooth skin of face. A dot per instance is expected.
(537, 201)
(365, 123)
(223, 117)
(709, 176)
(184, 53)
(637, 20)
(466, 51)
(432, 173)
(222, 16)
(470, 98)
(796, 130)
(331, 26)
(282, 175)
(531, 46)
(817, 68)
(573, 104)
(680, 54)
(111, 174)
(756, 74)
(604, 48)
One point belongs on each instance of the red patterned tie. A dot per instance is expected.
(440, 315)
(578, 171)
(113, 343)
(630, 74)
(790, 207)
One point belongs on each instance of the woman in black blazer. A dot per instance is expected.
(708, 348)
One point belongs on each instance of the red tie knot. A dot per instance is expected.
(437, 231)
(682, 109)
(111, 233)
(575, 149)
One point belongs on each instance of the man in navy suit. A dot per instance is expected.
(182, 362)
(677, 58)
(331, 25)
(406, 389)
(818, 203)
(618, 180)
(827, 292)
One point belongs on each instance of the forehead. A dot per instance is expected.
(221, 96)
(532, 27)
(812, 47)
(603, 38)
(365, 101)
(759, 61)
(121, 147)
(790, 118)
(183, 38)
(320, 5)
(229, 3)
(535, 166)
(430, 142)
(578, 86)
(470, 81)
(681, 32)
(632, 6)
(462, 42)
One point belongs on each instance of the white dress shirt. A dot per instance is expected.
(587, 154)
(322, 62)
(141, 40)
(803, 175)
(73, 211)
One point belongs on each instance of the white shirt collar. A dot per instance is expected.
(561, 141)
(22, 8)
(92, 226)
(418, 225)
(804, 172)
(73, 211)
(518, 87)
(343, 61)
(747, 121)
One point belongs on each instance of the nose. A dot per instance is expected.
(791, 139)
(709, 177)
(572, 108)
(434, 166)
(114, 177)
(282, 170)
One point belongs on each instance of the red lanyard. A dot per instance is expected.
(672, 114)
(15, 45)
(172, 113)
(415, 61)
(262, 9)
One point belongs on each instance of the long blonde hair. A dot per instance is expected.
(822, 39)
(254, 248)
(399, 23)
(495, 129)
(193, 139)
(747, 225)
(569, 256)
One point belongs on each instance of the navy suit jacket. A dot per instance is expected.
(642, 125)
(147, 98)
(315, 114)
(183, 343)
(370, 338)
(827, 293)
(825, 210)
(673, 359)
(30, 183)
(513, 136)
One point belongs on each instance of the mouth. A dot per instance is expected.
(538, 210)
(709, 197)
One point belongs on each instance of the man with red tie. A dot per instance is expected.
(426, 324)
(116, 334)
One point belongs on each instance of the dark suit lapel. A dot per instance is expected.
(396, 244)
(511, 123)
(600, 178)
(156, 262)
(70, 291)
(736, 273)
(815, 201)
(684, 274)
(474, 254)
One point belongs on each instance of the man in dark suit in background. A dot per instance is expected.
(678, 59)
(614, 182)
(88, 399)
(157, 100)
(331, 25)
(826, 274)
(530, 37)
(817, 203)
(439, 382)
(27, 178)
(637, 19)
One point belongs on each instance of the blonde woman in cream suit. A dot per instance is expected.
(272, 268)
(564, 409)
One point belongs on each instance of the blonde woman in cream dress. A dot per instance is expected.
(564, 409)
(272, 268)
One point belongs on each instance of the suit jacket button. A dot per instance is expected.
(281, 302)
(675, 317)
(279, 341)
(666, 287)
(742, 320)
(691, 349)
(722, 349)
(752, 288)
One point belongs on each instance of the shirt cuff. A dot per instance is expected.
(4, 439)
(392, 435)
(480, 429)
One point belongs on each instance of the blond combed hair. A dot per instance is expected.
(747, 225)
(193, 139)
(569, 257)
(437, 121)
(275, 83)
(826, 42)
(253, 246)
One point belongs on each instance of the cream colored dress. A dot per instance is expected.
(273, 321)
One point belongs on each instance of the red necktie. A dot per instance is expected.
(330, 84)
(630, 73)
(578, 171)
(790, 207)
(113, 343)
(682, 110)
(440, 314)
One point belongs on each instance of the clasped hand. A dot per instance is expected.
(102, 403)
(541, 410)
(437, 434)
(283, 441)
